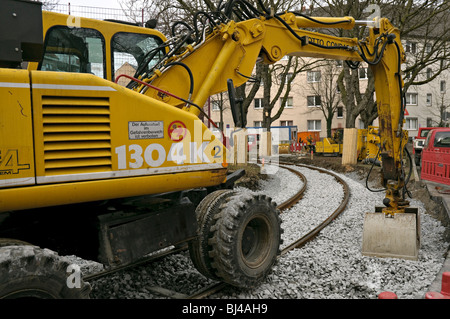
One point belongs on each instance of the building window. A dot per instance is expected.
(429, 99)
(314, 125)
(429, 73)
(442, 86)
(363, 73)
(361, 124)
(258, 104)
(411, 47)
(286, 123)
(289, 102)
(215, 105)
(340, 112)
(288, 76)
(313, 100)
(411, 123)
(429, 122)
(313, 76)
(411, 98)
(428, 48)
(257, 123)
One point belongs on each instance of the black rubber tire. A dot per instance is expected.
(199, 247)
(12, 242)
(246, 239)
(31, 272)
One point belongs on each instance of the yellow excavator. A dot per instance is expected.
(368, 145)
(113, 173)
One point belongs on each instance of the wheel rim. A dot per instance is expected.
(255, 242)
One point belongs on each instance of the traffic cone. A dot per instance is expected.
(387, 295)
(445, 289)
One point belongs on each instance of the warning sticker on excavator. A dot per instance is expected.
(145, 130)
(177, 131)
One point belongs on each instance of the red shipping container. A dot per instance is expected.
(436, 156)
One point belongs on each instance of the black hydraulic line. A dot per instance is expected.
(402, 93)
(405, 188)
(301, 39)
(251, 10)
(208, 16)
(191, 77)
(180, 22)
(147, 58)
(370, 171)
(353, 65)
(378, 57)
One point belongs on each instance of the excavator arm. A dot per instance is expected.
(229, 50)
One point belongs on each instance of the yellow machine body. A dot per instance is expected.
(368, 144)
(90, 139)
(73, 137)
(328, 146)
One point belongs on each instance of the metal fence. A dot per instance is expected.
(98, 13)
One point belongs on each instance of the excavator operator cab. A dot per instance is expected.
(106, 49)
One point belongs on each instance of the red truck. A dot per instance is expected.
(419, 142)
(436, 156)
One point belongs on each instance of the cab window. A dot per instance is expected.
(131, 50)
(424, 133)
(80, 50)
(442, 139)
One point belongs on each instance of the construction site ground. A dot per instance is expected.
(435, 196)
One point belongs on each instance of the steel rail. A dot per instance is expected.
(310, 235)
(298, 196)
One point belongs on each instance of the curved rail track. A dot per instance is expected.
(310, 235)
(214, 288)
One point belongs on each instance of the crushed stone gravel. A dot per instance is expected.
(331, 266)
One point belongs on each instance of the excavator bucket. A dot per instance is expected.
(395, 237)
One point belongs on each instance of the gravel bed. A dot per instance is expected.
(329, 267)
(332, 265)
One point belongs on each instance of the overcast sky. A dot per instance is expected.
(93, 3)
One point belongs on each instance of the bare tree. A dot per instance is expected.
(328, 91)
(439, 104)
(426, 23)
(283, 75)
(49, 4)
(165, 12)
(218, 101)
(421, 20)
